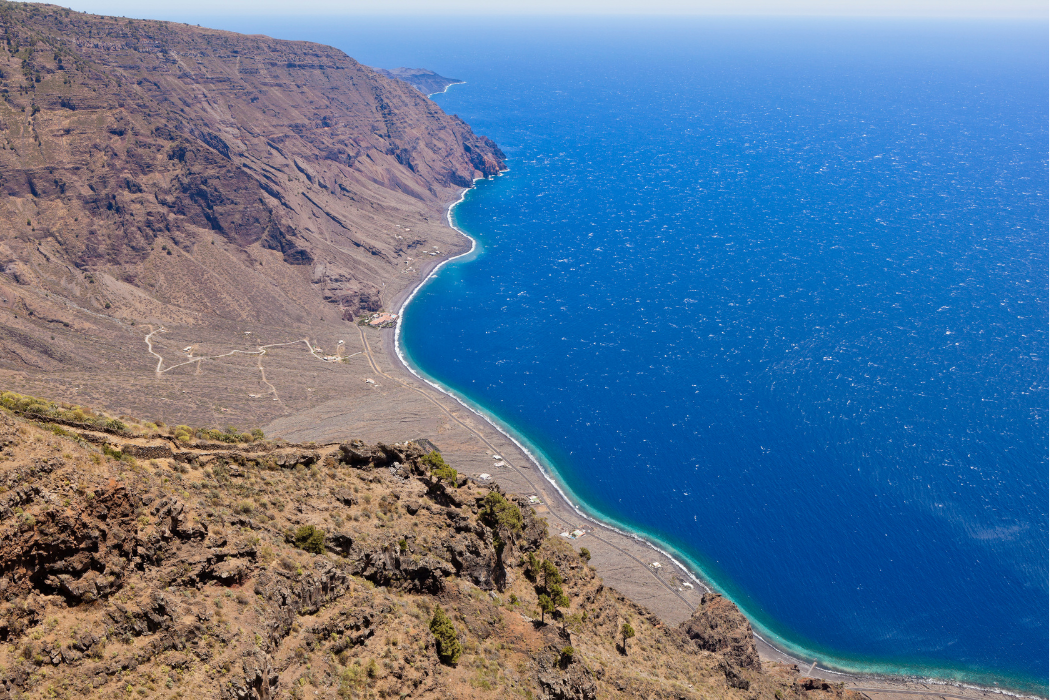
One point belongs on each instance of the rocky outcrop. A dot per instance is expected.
(358, 454)
(243, 571)
(292, 594)
(560, 676)
(717, 626)
(575, 682)
(385, 567)
(82, 554)
(256, 680)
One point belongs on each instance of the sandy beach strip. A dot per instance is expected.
(640, 570)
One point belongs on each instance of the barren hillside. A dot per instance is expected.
(157, 174)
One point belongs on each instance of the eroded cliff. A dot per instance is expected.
(158, 173)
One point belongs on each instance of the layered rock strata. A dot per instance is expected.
(158, 173)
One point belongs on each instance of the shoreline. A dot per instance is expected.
(442, 92)
(874, 684)
(529, 451)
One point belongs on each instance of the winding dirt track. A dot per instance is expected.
(260, 351)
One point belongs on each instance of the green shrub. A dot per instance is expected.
(531, 565)
(546, 606)
(116, 425)
(448, 646)
(309, 539)
(49, 409)
(553, 596)
(38, 409)
(218, 435)
(117, 455)
(439, 468)
(350, 679)
(58, 430)
(499, 513)
(585, 554)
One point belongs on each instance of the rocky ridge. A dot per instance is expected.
(188, 570)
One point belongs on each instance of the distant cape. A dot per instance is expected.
(426, 81)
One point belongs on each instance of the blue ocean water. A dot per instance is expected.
(774, 294)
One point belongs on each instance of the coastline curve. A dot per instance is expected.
(822, 662)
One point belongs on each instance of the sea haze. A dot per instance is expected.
(773, 294)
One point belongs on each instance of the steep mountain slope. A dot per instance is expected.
(157, 173)
(137, 560)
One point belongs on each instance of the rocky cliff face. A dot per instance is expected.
(717, 626)
(159, 173)
(250, 569)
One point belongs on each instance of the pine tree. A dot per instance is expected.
(448, 647)
(546, 607)
(626, 632)
(439, 468)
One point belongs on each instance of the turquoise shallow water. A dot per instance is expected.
(773, 293)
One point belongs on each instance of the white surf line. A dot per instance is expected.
(572, 504)
(550, 480)
(704, 586)
(524, 450)
(939, 694)
(859, 677)
(461, 82)
(967, 686)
